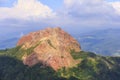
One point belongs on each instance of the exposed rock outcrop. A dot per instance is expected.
(51, 46)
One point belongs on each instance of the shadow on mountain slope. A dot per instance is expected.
(13, 69)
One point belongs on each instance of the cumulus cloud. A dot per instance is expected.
(97, 13)
(88, 8)
(75, 13)
(26, 9)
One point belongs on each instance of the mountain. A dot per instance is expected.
(53, 54)
(92, 41)
(51, 46)
(104, 42)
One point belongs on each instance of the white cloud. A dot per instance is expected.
(116, 6)
(88, 6)
(71, 3)
(26, 9)
(97, 13)
(79, 13)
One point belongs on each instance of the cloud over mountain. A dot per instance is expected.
(75, 14)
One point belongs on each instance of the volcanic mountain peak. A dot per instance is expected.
(50, 46)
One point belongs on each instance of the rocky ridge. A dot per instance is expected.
(51, 46)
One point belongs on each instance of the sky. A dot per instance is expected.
(22, 16)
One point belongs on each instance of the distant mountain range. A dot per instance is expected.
(104, 42)
(8, 43)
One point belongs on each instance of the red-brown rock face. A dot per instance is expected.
(51, 47)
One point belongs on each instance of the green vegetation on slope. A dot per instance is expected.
(13, 69)
(18, 52)
(91, 67)
(30, 50)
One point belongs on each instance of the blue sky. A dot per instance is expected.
(113, 0)
(72, 15)
(54, 4)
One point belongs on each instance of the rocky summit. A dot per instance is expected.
(51, 47)
(52, 54)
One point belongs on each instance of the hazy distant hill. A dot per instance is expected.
(105, 42)
(8, 43)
